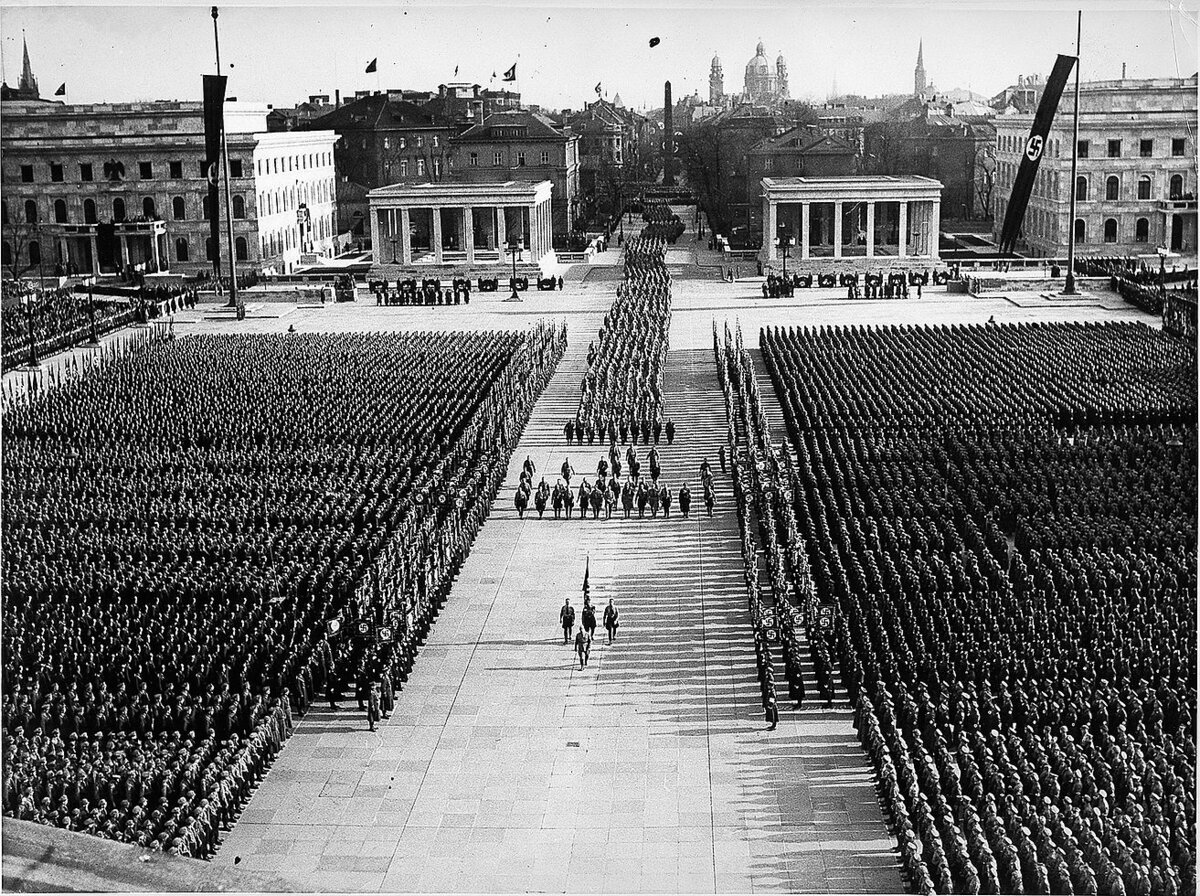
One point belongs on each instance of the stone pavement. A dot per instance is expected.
(506, 768)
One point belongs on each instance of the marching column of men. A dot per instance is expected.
(608, 493)
(621, 393)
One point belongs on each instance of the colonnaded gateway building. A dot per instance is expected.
(97, 186)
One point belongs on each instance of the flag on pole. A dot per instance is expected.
(597, 88)
(62, 89)
(511, 74)
(586, 570)
(372, 65)
(1032, 157)
(456, 71)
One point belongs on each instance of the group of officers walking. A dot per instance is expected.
(587, 629)
(608, 491)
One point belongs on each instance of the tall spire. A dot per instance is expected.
(28, 85)
(919, 82)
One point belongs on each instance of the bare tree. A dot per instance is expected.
(19, 237)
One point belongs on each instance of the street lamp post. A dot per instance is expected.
(784, 242)
(515, 248)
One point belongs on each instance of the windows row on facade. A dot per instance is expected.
(1112, 148)
(1088, 187)
(114, 170)
(271, 244)
(1113, 191)
(270, 202)
(500, 158)
(1043, 225)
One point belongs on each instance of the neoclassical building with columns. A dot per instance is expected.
(869, 217)
(460, 223)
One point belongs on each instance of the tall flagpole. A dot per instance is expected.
(233, 300)
(1069, 286)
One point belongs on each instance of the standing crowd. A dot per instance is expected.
(1003, 518)
(201, 536)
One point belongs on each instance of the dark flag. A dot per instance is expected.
(214, 121)
(511, 74)
(371, 66)
(597, 88)
(62, 89)
(586, 569)
(654, 42)
(1034, 147)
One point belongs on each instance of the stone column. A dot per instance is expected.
(405, 236)
(377, 249)
(95, 254)
(501, 232)
(770, 228)
(535, 232)
(935, 229)
(436, 215)
(837, 230)
(870, 230)
(804, 225)
(154, 251)
(468, 226)
(902, 231)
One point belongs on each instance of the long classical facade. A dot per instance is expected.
(459, 223)
(1136, 173)
(851, 217)
(103, 186)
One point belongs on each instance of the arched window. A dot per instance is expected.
(1110, 230)
(178, 208)
(60, 211)
(1080, 231)
(1081, 189)
(181, 249)
(7, 253)
(30, 212)
(118, 210)
(1144, 187)
(1176, 186)
(148, 209)
(1112, 188)
(1141, 231)
(239, 207)
(89, 211)
(239, 247)
(35, 252)
(209, 248)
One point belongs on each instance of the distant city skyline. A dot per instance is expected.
(282, 54)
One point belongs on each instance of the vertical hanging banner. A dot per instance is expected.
(214, 121)
(1034, 147)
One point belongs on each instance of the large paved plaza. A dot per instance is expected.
(505, 767)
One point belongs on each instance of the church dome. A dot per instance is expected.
(758, 65)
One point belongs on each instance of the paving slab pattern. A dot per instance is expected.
(507, 768)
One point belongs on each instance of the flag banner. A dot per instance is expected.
(597, 88)
(511, 74)
(1034, 147)
(62, 89)
(654, 42)
(214, 122)
(587, 568)
(372, 65)
(456, 71)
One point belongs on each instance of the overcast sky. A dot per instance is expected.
(280, 54)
